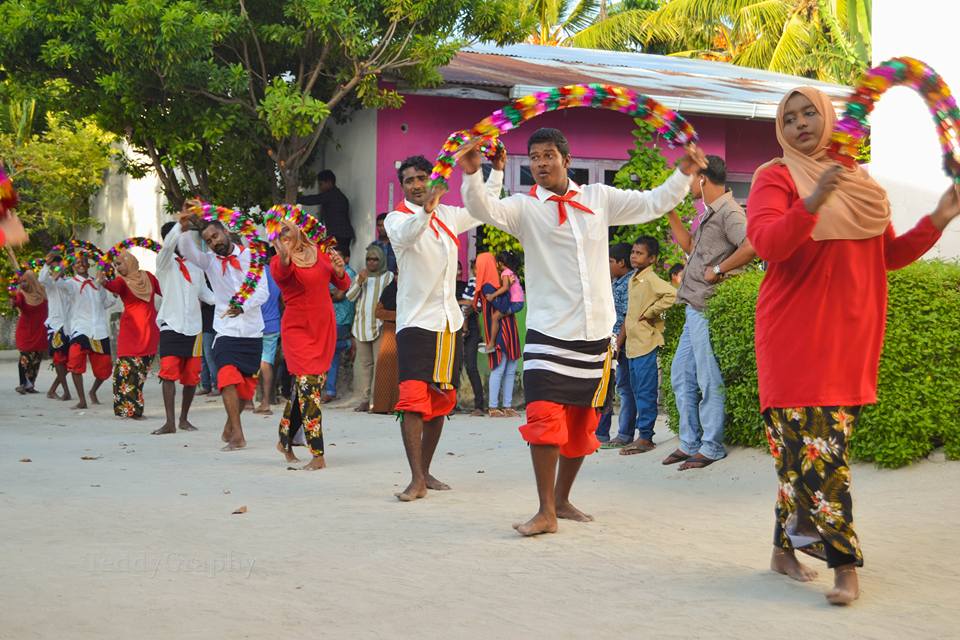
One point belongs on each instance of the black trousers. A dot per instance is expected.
(471, 344)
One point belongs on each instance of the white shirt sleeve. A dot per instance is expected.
(636, 207)
(503, 214)
(462, 220)
(168, 251)
(189, 247)
(206, 295)
(404, 229)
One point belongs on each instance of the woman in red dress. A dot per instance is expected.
(139, 334)
(308, 331)
(825, 233)
(31, 336)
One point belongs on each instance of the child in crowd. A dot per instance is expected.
(676, 274)
(648, 298)
(620, 273)
(508, 299)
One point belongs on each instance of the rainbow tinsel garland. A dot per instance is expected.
(68, 250)
(851, 130)
(311, 226)
(671, 125)
(8, 195)
(106, 259)
(244, 225)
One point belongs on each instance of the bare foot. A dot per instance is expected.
(567, 511)
(234, 445)
(436, 485)
(536, 525)
(93, 398)
(225, 436)
(66, 398)
(413, 492)
(785, 562)
(80, 405)
(52, 394)
(287, 453)
(316, 464)
(186, 426)
(846, 586)
(166, 428)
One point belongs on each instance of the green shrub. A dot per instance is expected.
(919, 398)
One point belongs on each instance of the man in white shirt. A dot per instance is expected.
(181, 325)
(570, 313)
(239, 342)
(424, 236)
(89, 329)
(58, 331)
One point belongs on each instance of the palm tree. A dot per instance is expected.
(594, 24)
(824, 39)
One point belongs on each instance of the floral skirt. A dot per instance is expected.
(29, 367)
(814, 509)
(129, 376)
(303, 411)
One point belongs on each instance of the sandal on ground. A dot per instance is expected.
(496, 413)
(698, 461)
(510, 413)
(614, 443)
(478, 413)
(637, 446)
(675, 457)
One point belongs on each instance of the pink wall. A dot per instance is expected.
(592, 133)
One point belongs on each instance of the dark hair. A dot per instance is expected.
(620, 252)
(216, 224)
(716, 171)
(382, 216)
(417, 162)
(510, 259)
(546, 134)
(165, 229)
(677, 268)
(327, 176)
(651, 244)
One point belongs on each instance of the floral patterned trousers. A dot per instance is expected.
(29, 367)
(129, 376)
(814, 509)
(303, 411)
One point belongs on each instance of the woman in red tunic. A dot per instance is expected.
(309, 333)
(825, 233)
(31, 336)
(139, 334)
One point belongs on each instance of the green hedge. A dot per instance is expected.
(919, 389)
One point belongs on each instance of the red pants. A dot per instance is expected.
(570, 427)
(230, 375)
(186, 370)
(417, 396)
(100, 363)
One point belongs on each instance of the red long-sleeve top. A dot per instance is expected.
(31, 332)
(308, 328)
(821, 312)
(139, 334)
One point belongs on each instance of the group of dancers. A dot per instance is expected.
(823, 230)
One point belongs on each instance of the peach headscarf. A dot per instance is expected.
(858, 208)
(33, 292)
(302, 251)
(137, 280)
(486, 273)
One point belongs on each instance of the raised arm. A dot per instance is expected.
(776, 227)
(503, 214)
(404, 229)
(680, 232)
(636, 207)
(463, 221)
(168, 251)
(189, 245)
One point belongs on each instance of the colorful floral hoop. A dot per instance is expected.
(489, 146)
(851, 130)
(107, 258)
(243, 224)
(315, 231)
(671, 125)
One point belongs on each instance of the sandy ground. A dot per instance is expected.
(141, 541)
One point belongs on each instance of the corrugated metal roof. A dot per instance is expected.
(694, 86)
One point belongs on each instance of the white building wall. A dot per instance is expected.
(351, 154)
(906, 153)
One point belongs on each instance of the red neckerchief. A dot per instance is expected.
(562, 201)
(230, 260)
(434, 221)
(85, 282)
(184, 270)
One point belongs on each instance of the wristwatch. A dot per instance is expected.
(716, 271)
